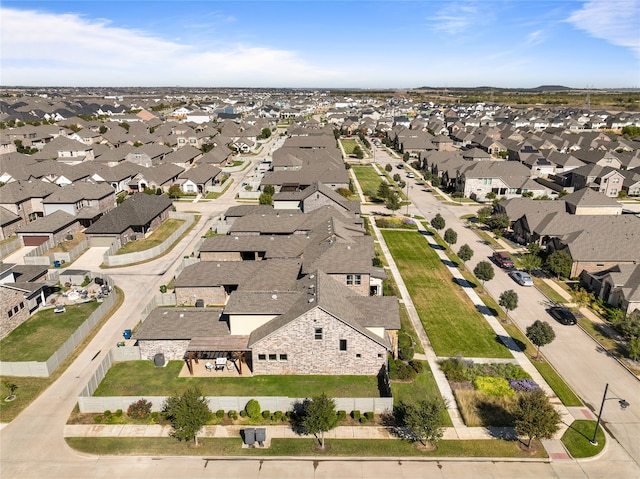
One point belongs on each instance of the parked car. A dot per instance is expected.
(563, 315)
(503, 259)
(522, 278)
(410, 175)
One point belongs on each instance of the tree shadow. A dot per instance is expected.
(449, 263)
(464, 283)
(505, 433)
(494, 414)
(512, 344)
(484, 309)
(296, 417)
(437, 247)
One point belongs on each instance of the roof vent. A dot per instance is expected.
(182, 315)
(311, 300)
(274, 296)
(311, 286)
(235, 238)
(311, 276)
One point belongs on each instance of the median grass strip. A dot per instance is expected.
(368, 178)
(42, 335)
(142, 378)
(300, 447)
(156, 238)
(576, 439)
(548, 291)
(452, 322)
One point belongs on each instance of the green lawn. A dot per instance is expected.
(348, 145)
(213, 195)
(41, 335)
(452, 322)
(576, 439)
(367, 177)
(298, 447)
(142, 378)
(548, 291)
(156, 238)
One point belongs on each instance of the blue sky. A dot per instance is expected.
(330, 44)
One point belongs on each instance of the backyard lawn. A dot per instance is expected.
(142, 378)
(368, 178)
(348, 145)
(452, 322)
(156, 238)
(41, 335)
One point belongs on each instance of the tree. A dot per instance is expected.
(103, 129)
(425, 419)
(498, 222)
(269, 190)
(535, 416)
(265, 133)
(174, 191)
(11, 387)
(483, 213)
(320, 416)
(388, 168)
(357, 151)
(265, 199)
(438, 222)
(491, 195)
(540, 333)
(188, 414)
(393, 201)
(484, 271)
(450, 236)
(396, 177)
(465, 253)
(633, 349)
(406, 156)
(582, 297)
(384, 190)
(530, 262)
(509, 300)
(559, 263)
(125, 125)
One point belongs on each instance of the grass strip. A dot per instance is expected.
(300, 447)
(452, 322)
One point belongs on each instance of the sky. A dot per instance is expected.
(321, 44)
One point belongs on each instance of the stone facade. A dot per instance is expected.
(351, 281)
(211, 295)
(14, 310)
(307, 355)
(173, 350)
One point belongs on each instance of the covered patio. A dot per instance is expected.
(217, 356)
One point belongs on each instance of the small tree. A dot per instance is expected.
(140, 409)
(450, 236)
(535, 416)
(396, 177)
(265, 199)
(484, 213)
(498, 222)
(438, 222)
(484, 271)
(509, 300)
(465, 253)
(530, 262)
(358, 153)
(582, 297)
(384, 190)
(425, 419)
(11, 387)
(188, 414)
(252, 408)
(388, 168)
(559, 263)
(633, 349)
(269, 190)
(540, 333)
(174, 191)
(320, 416)
(393, 201)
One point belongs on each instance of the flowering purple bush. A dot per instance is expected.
(408, 221)
(523, 385)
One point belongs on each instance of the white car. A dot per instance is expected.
(522, 278)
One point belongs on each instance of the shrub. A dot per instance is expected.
(139, 409)
(154, 416)
(355, 414)
(523, 385)
(107, 413)
(97, 419)
(119, 413)
(233, 415)
(253, 409)
(342, 415)
(362, 419)
(417, 366)
(454, 369)
(369, 415)
(493, 386)
(266, 414)
(243, 413)
(405, 347)
(277, 415)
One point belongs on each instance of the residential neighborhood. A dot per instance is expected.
(282, 245)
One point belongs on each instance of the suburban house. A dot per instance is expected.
(22, 291)
(85, 200)
(161, 176)
(313, 197)
(24, 198)
(618, 286)
(55, 227)
(137, 216)
(199, 179)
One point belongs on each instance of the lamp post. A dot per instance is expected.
(623, 405)
(408, 201)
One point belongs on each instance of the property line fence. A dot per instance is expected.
(39, 256)
(111, 259)
(45, 369)
(88, 403)
(9, 247)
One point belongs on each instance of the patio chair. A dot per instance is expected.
(208, 366)
(230, 366)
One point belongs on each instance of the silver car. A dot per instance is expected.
(522, 278)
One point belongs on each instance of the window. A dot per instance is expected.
(273, 357)
(10, 313)
(354, 279)
(15, 309)
(284, 357)
(262, 357)
(343, 345)
(358, 355)
(317, 333)
(21, 305)
(615, 180)
(379, 355)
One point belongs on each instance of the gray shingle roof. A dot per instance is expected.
(137, 210)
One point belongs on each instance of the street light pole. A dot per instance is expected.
(408, 198)
(623, 405)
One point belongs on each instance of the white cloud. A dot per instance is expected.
(67, 49)
(535, 38)
(616, 21)
(456, 18)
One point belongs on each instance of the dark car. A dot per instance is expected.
(563, 315)
(503, 259)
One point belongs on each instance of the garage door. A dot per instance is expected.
(100, 241)
(34, 240)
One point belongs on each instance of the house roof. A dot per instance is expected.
(137, 210)
(56, 221)
(590, 198)
(182, 323)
